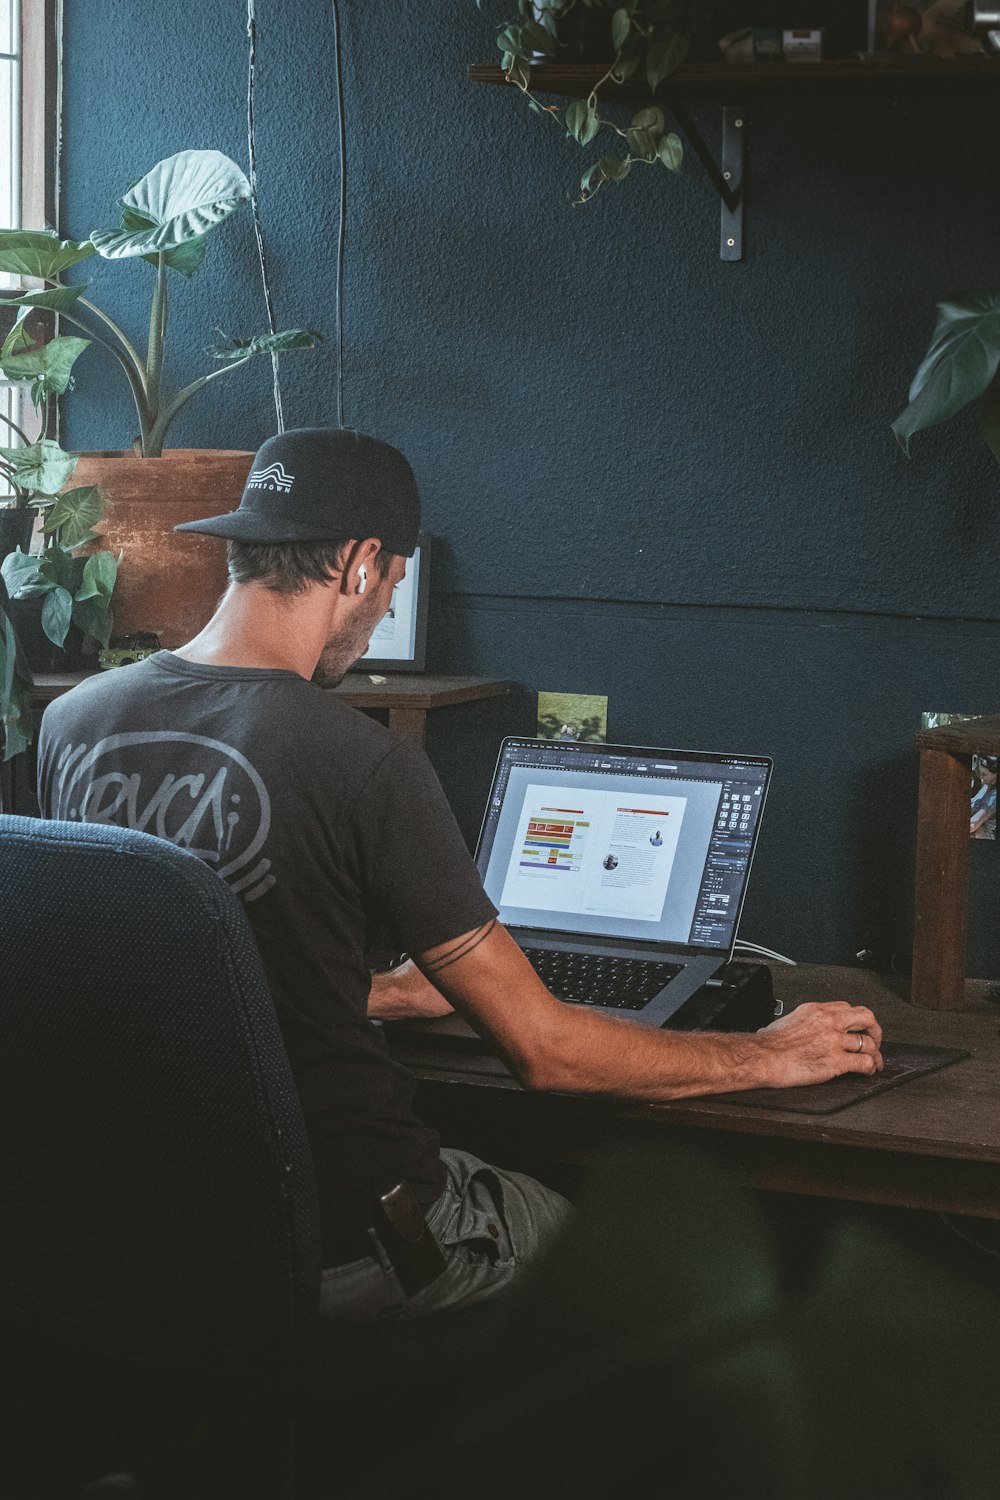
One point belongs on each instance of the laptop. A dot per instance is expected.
(621, 871)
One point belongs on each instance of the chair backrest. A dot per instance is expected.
(157, 1195)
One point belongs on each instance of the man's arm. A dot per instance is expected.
(551, 1045)
(404, 992)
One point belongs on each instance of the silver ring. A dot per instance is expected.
(861, 1041)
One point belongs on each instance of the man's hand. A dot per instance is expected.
(816, 1042)
(403, 993)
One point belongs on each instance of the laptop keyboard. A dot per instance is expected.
(594, 979)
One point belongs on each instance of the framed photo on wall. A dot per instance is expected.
(934, 28)
(399, 643)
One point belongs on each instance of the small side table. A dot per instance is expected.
(409, 699)
(942, 883)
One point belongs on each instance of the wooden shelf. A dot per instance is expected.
(723, 82)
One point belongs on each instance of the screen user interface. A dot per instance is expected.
(622, 843)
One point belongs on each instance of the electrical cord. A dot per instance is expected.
(342, 222)
(779, 958)
(254, 204)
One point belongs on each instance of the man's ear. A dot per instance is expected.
(359, 562)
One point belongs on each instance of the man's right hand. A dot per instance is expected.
(816, 1042)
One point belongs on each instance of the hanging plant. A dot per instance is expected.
(648, 36)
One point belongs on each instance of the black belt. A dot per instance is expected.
(401, 1231)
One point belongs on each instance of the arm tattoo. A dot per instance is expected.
(461, 949)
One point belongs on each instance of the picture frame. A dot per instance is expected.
(928, 28)
(399, 641)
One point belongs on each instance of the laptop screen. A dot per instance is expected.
(617, 841)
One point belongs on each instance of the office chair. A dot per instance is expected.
(159, 1244)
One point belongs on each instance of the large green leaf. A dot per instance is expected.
(962, 360)
(582, 121)
(665, 54)
(49, 366)
(41, 466)
(57, 611)
(21, 574)
(56, 298)
(99, 573)
(74, 515)
(94, 617)
(185, 258)
(180, 200)
(39, 253)
(15, 681)
(989, 421)
(265, 343)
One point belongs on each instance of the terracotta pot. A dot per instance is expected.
(168, 581)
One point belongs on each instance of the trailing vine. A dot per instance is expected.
(654, 35)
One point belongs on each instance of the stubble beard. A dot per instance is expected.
(342, 651)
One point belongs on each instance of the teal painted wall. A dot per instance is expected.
(651, 474)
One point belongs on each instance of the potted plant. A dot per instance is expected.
(651, 36)
(62, 598)
(168, 582)
(960, 366)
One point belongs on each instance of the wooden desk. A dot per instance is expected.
(406, 699)
(933, 1143)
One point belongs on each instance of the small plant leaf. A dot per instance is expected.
(39, 253)
(49, 366)
(94, 617)
(621, 25)
(613, 169)
(57, 611)
(74, 515)
(20, 574)
(671, 152)
(582, 121)
(41, 466)
(962, 360)
(989, 422)
(665, 54)
(649, 119)
(56, 298)
(265, 343)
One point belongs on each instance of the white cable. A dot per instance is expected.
(744, 947)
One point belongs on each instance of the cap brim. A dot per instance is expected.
(245, 526)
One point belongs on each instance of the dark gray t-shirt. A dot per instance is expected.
(331, 830)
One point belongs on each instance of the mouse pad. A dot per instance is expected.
(903, 1061)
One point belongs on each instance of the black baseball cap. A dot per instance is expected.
(324, 484)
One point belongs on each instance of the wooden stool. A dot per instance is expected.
(942, 884)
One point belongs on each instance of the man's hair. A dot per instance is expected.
(290, 567)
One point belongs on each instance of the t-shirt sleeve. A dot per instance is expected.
(416, 869)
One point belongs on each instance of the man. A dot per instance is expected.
(330, 829)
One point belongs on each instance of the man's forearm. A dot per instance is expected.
(570, 1049)
(404, 993)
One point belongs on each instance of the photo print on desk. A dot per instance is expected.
(399, 641)
(983, 791)
(573, 716)
(933, 28)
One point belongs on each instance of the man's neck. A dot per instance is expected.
(254, 627)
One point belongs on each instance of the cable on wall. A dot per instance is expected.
(252, 152)
(343, 213)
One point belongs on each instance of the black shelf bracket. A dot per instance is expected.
(726, 177)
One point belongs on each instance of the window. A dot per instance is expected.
(29, 31)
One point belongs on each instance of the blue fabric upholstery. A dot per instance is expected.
(157, 1194)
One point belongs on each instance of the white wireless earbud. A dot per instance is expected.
(362, 579)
